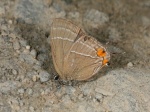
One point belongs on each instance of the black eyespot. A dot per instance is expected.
(56, 77)
(108, 64)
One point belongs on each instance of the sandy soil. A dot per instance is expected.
(26, 68)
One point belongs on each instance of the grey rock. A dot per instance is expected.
(98, 96)
(31, 73)
(4, 107)
(87, 89)
(23, 42)
(31, 109)
(81, 97)
(113, 34)
(21, 91)
(21, 103)
(14, 71)
(33, 53)
(47, 91)
(47, 2)
(9, 86)
(47, 109)
(29, 11)
(28, 47)
(122, 88)
(130, 64)
(70, 90)
(146, 21)
(42, 57)
(74, 15)
(28, 58)
(44, 76)
(10, 21)
(94, 18)
(16, 44)
(36, 12)
(37, 67)
(34, 78)
(14, 103)
(2, 10)
(29, 91)
(85, 106)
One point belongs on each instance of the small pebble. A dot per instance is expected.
(34, 78)
(81, 97)
(12, 35)
(2, 10)
(26, 51)
(10, 21)
(29, 91)
(44, 76)
(39, 63)
(21, 103)
(26, 80)
(47, 91)
(16, 45)
(28, 47)
(27, 58)
(74, 15)
(17, 52)
(14, 71)
(98, 96)
(42, 57)
(21, 91)
(15, 107)
(43, 93)
(37, 67)
(31, 109)
(70, 90)
(130, 64)
(33, 53)
(23, 42)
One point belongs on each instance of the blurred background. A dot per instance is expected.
(26, 68)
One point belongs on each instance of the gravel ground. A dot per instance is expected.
(26, 68)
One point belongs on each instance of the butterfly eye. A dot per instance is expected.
(56, 77)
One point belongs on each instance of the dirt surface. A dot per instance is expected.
(26, 68)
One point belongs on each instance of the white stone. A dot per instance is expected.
(28, 47)
(130, 64)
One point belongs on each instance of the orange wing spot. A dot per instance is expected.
(101, 52)
(105, 61)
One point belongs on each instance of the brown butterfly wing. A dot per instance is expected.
(82, 61)
(74, 53)
(63, 35)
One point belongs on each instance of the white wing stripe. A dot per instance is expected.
(63, 38)
(84, 54)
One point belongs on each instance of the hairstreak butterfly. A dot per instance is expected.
(76, 56)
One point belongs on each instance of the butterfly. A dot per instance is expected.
(76, 56)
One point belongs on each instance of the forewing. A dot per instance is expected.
(63, 35)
